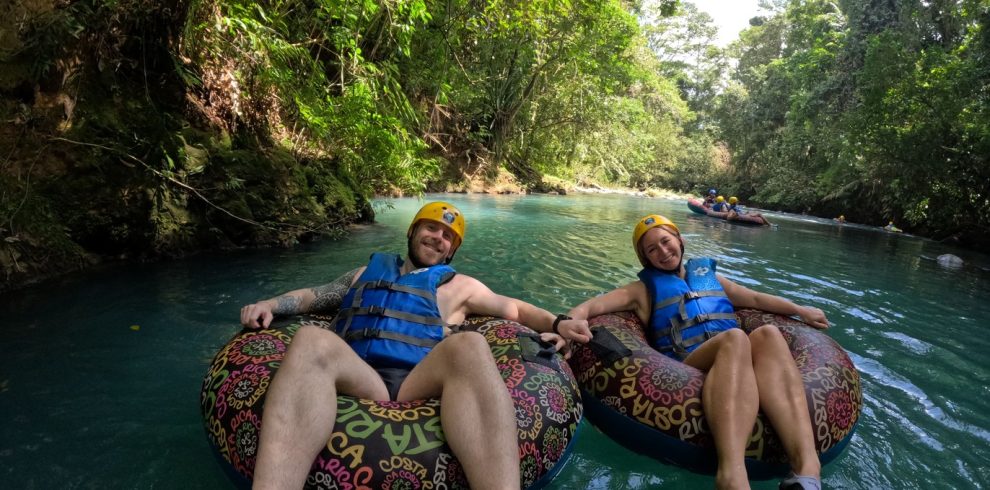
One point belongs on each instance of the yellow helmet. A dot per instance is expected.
(733, 200)
(719, 199)
(644, 225)
(445, 214)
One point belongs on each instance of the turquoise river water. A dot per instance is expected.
(100, 371)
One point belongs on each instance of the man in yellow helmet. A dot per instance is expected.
(735, 212)
(391, 341)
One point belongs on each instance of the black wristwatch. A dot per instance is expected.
(557, 322)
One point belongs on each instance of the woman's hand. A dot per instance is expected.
(576, 330)
(814, 317)
(561, 344)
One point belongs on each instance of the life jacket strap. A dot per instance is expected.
(388, 312)
(377, 333)
(386, 284)
(673, 300)
(354, 307)
(704, 317)
(679, 345)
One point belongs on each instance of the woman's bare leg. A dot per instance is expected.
(730, 400)
(783, 400)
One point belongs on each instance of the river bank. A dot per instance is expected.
(25, 261)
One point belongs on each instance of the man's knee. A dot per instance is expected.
(467, 347)
(314, 343)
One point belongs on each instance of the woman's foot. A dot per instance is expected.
(799, 482)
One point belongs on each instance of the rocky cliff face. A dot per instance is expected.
(110, 148)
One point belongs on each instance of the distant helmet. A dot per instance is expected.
(719, 199)
(644, 225)
(733, 200)
(445, 214)
(712, 192)
(842, 216)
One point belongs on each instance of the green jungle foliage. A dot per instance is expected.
(144, 128)
(875, 110)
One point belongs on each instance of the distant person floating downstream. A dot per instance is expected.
(689, 312)
(720, 205)
(891, 228)
(841, 218)
(709, 198)
(734, 211)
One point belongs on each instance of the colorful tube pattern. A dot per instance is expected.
(385, 444)
(652, 403)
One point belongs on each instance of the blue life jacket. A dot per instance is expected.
(720, 207)
(686, 312)
(393, 320)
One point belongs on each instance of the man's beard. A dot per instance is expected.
(415, 259)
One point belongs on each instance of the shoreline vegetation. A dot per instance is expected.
(145, 129)
(18, 276)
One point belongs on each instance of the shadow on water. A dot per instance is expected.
(100, 373)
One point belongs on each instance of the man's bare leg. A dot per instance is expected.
(730, 400)
(783, 400)
(476, 411)
(301, 405)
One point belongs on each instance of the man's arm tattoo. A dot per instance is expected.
(287, 304)
(330, 296)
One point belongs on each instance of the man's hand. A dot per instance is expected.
(257, 315)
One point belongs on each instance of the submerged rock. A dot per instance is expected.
(950, 261)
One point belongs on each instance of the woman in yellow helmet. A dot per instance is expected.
(689, 313)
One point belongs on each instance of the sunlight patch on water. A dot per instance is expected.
(827, 284)
(888, 407)
(893, 313)
(862, 315)
(780, 280)
(889, 378)
(917, 346)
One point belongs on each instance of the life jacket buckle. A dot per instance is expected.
(376, 310)
(381, 284)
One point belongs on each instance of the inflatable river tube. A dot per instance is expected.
(384, 444)
(651, 403)
(696, 205)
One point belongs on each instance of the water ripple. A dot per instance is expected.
(886, 377)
